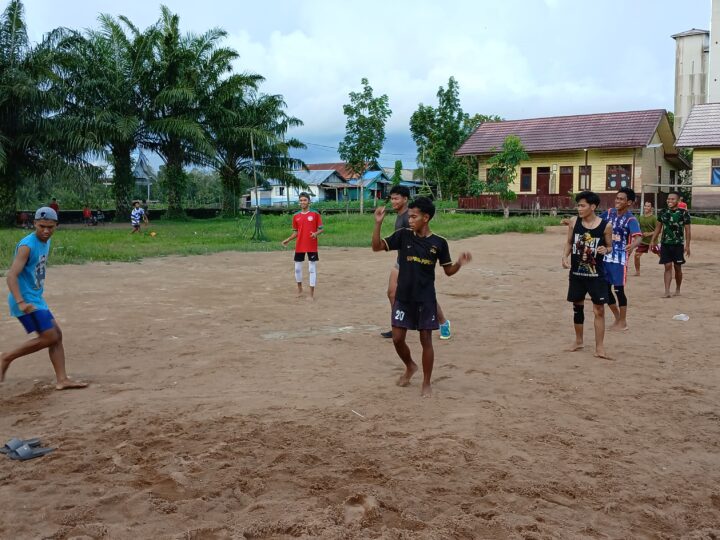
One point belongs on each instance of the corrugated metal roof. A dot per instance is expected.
(691, 32)
(702, 127)
(631, 129)
(315, 178)
(341, 168)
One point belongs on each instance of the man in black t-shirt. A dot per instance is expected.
(415, 306)
(399, 196)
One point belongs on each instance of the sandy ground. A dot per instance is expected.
(222, 407)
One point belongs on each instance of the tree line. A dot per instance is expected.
(83, 97)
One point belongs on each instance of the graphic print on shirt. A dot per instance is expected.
(40, 272)
(624, 228)
(585, 247)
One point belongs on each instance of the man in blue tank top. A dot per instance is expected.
(589, 239)
(26, 281)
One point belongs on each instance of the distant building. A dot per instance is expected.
(568, 154)
(692, 50)
(702, 133)
(697, 68)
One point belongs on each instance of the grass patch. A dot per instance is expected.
(76, 244)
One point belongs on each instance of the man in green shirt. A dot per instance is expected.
(648, 222)
(674, 224)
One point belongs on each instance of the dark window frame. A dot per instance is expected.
(585, 171)
(616, 168)
(714, 166)
(526, 176)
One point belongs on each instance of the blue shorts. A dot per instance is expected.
(40, 320)
(615, 274)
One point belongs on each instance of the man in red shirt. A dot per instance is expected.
(54, 205)
(682, 204)
(307, 226)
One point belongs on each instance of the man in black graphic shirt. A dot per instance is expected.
(589, 238)
(415, 306)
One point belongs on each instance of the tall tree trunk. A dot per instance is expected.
(8, 197)
(176, 181)
(123, 182)
(230, 186)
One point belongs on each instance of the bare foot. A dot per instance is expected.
(576, 347)
(426, 390)
(666, 295)
(600, 353)
(4, 365)
(619, 327)
(677, 293)
(69, 384)
(637, 273)
(404, 379)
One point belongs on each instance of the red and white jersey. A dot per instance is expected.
(305, 223)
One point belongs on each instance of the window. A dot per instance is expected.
(660, 175)
(585, 176)
(281, 191)
(672, 177)
(526, 179)
(618, 176)
(715, 174)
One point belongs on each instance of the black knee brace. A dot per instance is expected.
(620, 292)
(610, 296)
(579, 315)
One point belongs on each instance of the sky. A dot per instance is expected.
(513, 58)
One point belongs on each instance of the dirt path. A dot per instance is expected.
(223, 407)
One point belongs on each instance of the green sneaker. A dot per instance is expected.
(445, 330)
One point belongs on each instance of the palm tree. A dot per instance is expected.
(102, 73)
(32, 139)
(242, 123)
(185, 70)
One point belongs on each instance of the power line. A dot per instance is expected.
(334, 149)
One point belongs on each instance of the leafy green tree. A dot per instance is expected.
(397, 173)
(102, 72)
(438, 132)
(242, 123)
(184, 71)
(32, 138)
(503, 171)
(364, 131)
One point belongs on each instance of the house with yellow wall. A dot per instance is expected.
(568, 154)
(701, 132)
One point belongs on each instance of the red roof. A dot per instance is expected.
(341, 168)
(564, 133)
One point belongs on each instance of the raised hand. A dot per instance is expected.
(464, 258)
(379, 214)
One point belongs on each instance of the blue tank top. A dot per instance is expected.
(32, 278)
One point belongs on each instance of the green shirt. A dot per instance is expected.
(673, 222)
(647, 225)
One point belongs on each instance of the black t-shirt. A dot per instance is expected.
(584, 259)
(417, 257)
(402, 221)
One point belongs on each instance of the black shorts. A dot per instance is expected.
(672, 253)
(415, 315)
(311, 255)
(579, 287)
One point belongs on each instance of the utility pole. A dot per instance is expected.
(258, 235)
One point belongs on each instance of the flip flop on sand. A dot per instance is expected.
(14, 444)
(26, 452)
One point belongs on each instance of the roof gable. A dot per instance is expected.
(702, 127)
(565, 133)
(341, 168)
